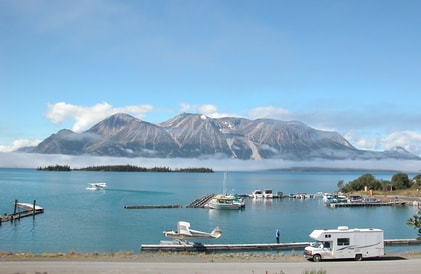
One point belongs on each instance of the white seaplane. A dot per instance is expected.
(97, 186)
(184, 233)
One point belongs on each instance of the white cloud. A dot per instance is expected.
(185, 107)
(409, 140)
(18, 144)
(84, 117)
(206, 109)
(271, 112)
(362, 142)
(32, 160)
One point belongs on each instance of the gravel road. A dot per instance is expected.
(51, 266)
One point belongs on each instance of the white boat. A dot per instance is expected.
(257, 193)
(326, 196)
(184, 233)
(268, 194)
(336, 199)
(226, 202)
(355, 199)
(302, 196)
(96, 186)
(370, 200)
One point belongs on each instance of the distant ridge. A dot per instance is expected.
(198, 136)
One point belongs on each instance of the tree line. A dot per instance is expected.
(367, 181)
(126, 168)
(55, 168)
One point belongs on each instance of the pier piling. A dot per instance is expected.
(27, 210)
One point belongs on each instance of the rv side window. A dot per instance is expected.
(343, 241)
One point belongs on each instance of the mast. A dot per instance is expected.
(224, 184)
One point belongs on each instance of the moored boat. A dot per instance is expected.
(336, 198)
(268, 194)
(355, 199)
(370, 200)
(226, 202)
(257, 193)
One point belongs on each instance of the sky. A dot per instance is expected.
(347, 66)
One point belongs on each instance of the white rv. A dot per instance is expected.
(345, 243)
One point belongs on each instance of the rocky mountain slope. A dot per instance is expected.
(197, 136)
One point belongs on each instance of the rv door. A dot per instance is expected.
(343, 249)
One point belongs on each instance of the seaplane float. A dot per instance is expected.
(184, 233)
(97, 186)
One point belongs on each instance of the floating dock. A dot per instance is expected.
(22, 210)
(170, 246)
(151, 206)
(402, 242)
(201, 201)
(334, 205)
(180, 246)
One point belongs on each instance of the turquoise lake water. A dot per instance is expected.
(77, 219)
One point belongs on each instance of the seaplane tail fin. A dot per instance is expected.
(216, 233)
(183, 228)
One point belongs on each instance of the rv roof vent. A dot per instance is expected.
(343, 228)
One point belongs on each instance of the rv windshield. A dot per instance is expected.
(322, 244)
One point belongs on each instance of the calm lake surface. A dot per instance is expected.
(77, 219)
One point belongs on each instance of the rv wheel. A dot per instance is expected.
(358, 257)
(317, 258)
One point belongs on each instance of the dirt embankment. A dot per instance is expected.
(184, 257)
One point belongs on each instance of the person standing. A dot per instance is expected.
(277, 236)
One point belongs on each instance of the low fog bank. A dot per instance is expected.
(31, 160)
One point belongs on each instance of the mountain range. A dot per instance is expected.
(198, 136)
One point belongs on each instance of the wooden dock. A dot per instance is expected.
(402, 242)
(334, 205)
(170, 246)
(201, 201)
(151, 206)
(22, 210)
(199, 247)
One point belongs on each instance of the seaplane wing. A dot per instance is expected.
(184, 232)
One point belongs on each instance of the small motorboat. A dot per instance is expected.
(97, 186)
(268, 194)
(257, 193)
